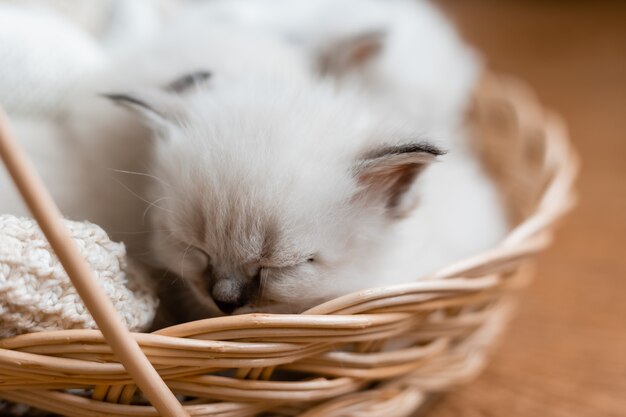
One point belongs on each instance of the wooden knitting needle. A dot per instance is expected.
(49, 218)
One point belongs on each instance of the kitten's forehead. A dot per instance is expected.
(250, 224)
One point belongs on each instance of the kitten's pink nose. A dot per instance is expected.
(230, 294)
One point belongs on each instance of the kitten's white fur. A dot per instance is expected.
(258, 172)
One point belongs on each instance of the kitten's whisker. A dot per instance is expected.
(143, 174)
(153, 204)
(182, 262)
(172, 232)
(165, 274)
(127, 188)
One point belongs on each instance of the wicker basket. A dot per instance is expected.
(373, 353)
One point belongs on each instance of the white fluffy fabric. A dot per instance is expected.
(37, 295)
(38, 67)
(46, 46)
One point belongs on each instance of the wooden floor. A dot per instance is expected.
(565, 355)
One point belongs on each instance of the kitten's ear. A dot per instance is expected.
(387, 175)
(154, 108)
(350, 53)
(161, 108)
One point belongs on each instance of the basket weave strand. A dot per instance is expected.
(372, 353)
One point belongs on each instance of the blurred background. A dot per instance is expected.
(565, 354)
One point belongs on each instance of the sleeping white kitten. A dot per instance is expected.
(275, 197)
(273, 189)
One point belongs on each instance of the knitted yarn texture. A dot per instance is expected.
(37, 295)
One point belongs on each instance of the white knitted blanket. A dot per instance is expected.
(37, 295)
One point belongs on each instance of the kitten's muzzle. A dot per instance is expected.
(229, 294)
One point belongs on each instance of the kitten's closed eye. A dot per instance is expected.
(195, 257)
(200, 250)
(289, 262)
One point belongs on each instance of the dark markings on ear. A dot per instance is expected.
(126, 100)
(388, 174)
(187, 81)
(420, 147)
(138, 104)
(132, 103)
